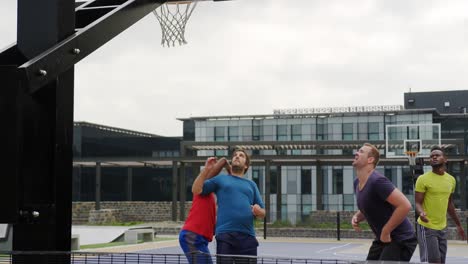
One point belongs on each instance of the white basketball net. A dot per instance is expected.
(173, 17)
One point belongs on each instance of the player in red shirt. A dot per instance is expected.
(199, 227)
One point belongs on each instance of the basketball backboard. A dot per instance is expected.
(403, 138)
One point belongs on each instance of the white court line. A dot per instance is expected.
(332, 248)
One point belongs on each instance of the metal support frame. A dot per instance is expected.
(279, 196)
(97, 198)
(36, 99)
(267, 190)
(174, 189)
(129, 183)
(97, 22)
(319, 185)
(463, 177)
(182, 190)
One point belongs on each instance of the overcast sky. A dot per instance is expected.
(252, 56)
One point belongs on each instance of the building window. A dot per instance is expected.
(413, 133)
(233, 133)
(325, 181)
(374, 131)
(348, 131)
(219, 134)
(168, 153)
(322, 133)
(256, 177)
(306, 181)
(256, 132)
(296, 132)
(281, 132)
(291, 177)
(363, 134)
(391, 174)
(337, 178)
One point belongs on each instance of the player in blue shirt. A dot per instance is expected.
(239, 201)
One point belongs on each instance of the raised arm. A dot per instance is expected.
(402, 207)
(212, 168)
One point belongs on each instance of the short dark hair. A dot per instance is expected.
(438, 148)
(247, 157)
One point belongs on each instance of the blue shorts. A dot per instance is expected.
(195, 247)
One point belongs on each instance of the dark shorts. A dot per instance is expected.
(395, 250)
(236, 243)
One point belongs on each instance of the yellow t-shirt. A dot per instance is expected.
(437, 190)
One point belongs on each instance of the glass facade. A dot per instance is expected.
(299, 183)
(297, 189)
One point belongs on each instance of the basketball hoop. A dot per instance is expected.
(173, 17)
(411, 157)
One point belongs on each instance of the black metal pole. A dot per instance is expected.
(413, 179)
(97, 205)
(45, 136)
(264, 228)
(267, 189)
(338, 226)
(174, 188)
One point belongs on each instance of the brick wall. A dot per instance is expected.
(161, 211)
(128, 211)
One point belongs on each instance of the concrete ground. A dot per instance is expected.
(312, 248)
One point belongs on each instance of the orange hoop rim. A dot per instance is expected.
(411, 153)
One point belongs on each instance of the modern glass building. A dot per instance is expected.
(126, 165)
(312, 152)
(301, 158)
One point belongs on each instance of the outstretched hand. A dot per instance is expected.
(215, 166)
(209, 163)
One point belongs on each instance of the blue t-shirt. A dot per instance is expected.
(371, 201)
(235, 196)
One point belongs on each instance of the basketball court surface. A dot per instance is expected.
(348, 250)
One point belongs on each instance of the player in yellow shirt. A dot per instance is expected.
(434, 191)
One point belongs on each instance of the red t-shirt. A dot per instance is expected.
(202, 216)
